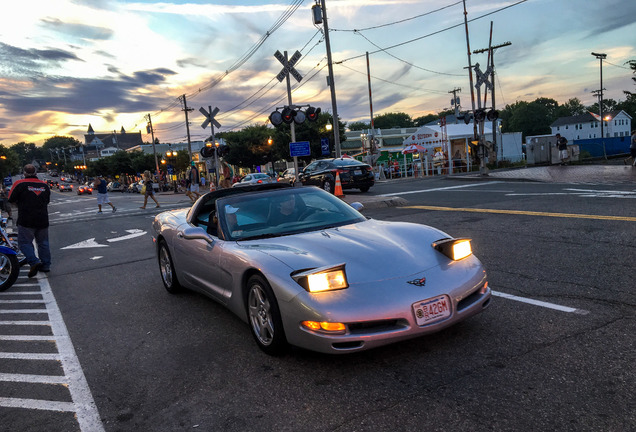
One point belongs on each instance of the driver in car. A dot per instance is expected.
(284, 209)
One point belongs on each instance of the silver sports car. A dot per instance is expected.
(303, 267)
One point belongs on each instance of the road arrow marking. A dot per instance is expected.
(133, 233)
(96, 258)
(90, 243)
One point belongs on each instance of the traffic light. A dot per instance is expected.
(492, 115)
(207, 152)
(288, 115)
(467, 117)
(312, 113)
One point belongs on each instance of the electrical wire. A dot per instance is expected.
(400, 21)
(435, 32)
(393, 82)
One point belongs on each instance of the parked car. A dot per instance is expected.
(83, 189)
(303, 267)
(288, 176)
(255, 178)
(353, 174)
(65, 187)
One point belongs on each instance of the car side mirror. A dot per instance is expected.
(196, 233)
(357, 206)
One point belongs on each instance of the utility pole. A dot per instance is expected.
(186, 109)
(331, 82)
(491, 55)
(470, 72)
(454, 92)
(601, 56)
(154, 149)
(371, 137)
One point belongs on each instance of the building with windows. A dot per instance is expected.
(588, 126)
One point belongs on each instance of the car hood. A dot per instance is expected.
(372, 250)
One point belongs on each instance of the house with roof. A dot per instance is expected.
(105, 144)
(588, 126)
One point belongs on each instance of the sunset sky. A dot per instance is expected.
(65, 64)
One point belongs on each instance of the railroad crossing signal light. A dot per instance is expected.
(288, 115)
(276, 118)
(312, 113)
(492, 115)
(480, 115)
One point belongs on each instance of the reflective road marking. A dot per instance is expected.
(540, 303)
(440, 189)
(524, 212)
(82, 403)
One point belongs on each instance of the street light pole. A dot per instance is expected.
(601, 56)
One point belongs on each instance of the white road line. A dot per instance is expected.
(42, 379)
(40, 323)
(36, 404)
(27, 338)
(18, 293)
(22, 301)
(23, 311)
(540, 303)
(440, 189)
(86, 410)
(29, 356)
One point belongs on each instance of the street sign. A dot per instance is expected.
(324, 146)
(170, 169)
(300, 148)
(8, 181)
(209, 117)
(288, 66)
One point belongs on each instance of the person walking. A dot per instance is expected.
(32, 196)
(194, 182)
(102, 194)
(149, 190)
(562, 145)
(632, 148)
(4, 201)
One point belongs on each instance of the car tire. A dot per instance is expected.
(327, 185)
(364, 189)
(9, 270)
(167, 270)
(263, 316)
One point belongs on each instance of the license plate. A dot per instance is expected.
(357, 172)
(432, 310)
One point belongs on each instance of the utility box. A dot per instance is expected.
(539, 149)
(574, 155)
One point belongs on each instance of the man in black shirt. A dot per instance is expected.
(32, 197)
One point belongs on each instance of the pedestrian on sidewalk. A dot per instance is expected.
(4, 201)
(562, 145)
(149, 190)
(632, 147)
(102, 194)
(32, 196)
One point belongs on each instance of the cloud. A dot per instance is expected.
(80, 96)
(18, 61)
(81, 31)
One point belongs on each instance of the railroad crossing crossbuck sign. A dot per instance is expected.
(288, 66)
(209, 117)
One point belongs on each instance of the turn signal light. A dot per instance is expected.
(324, 326)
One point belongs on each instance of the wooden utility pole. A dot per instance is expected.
(186, 109)
(154, 149)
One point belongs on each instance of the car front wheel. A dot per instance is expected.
(264, 317)
(166, 267)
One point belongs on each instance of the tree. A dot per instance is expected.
(358, 125)
(632, 65)
(529, 118)
(608, 105)
(421, 121)
(9, 162)
(26, 153)
(572, 107)
(392, 120)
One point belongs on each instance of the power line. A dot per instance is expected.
(400, 21)
(435, 32)
(393, 82)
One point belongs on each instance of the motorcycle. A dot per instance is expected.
(11, 259)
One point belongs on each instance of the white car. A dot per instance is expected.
(253, 179)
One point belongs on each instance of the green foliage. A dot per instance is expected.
(393, 120)
(359, 125)
(10, 163)
(26, 153)
(421, 121)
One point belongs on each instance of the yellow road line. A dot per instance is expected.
(522, 212)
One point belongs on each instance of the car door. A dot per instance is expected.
(200, 257)
(307, 175)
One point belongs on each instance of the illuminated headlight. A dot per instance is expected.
(455, 249)
(323, 279)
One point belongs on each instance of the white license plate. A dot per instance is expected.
(357, 172)
(432, 310)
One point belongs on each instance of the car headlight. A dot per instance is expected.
(455, 249)
(323, 278)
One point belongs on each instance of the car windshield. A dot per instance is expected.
(282, 212)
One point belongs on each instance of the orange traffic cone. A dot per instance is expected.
(338, 189)
(212, 186)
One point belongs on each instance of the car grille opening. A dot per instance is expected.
(368, 327)
(470, 300)
(347, 345)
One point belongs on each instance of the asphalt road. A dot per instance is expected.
(555, 351)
